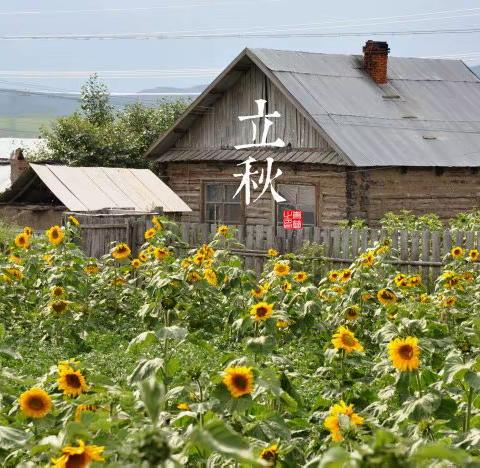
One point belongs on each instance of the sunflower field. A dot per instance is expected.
(181, 357)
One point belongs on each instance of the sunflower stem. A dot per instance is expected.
(469, 409)
(419, 383)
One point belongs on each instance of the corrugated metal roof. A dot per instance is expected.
(292, 155)
(96, 188)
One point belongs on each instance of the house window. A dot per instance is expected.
(299, 197)
(220, 206)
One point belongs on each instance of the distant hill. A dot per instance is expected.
(173, 90)
(476, 70)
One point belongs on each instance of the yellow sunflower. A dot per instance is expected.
(193, 277)
(449, 301)
(300, 276)
(382, 250)
(210, 276)
(352, 312)
(386, 296)
(258, 292)
(281, 269)
(161, 253)
(48, 259)
(222, 230)
(59, 306)
(71, 381)
(78, 457)
(272, 252)
(282, 323)
(270, 454)
(468, 276)
(457, 252)
(15, 259)
(261, 311)
(28, 231)
(82, 409)
(136, 263)
(55, 235)
(404, 354)
(424, 298)
(366, 297)
(14, 273)
(121, 251)
(367, 259)
(345, 339)
(474, 255)
(399, 279)
(346, 275)
(239, 381)
(286, 286)
(157, 224)
(57, 291)
(337, 289)
(143, 256)
(149, 233)
(22, 240)
(35, 403)
(119, 281)
(183, 407)
(332, 421)
(91, 269)
(74, 220)
(333, 276)
(414, 280)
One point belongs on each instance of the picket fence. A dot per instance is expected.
(411, 251)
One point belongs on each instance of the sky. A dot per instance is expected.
(131, 65)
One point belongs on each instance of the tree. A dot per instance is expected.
(100, 135)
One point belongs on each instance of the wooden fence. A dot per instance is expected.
(411, 251)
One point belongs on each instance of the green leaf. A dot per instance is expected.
(441, 452)
(10, 437)
(145, 368)
(335, 457)
(473, 379)
(173, 333)
(10, 353)
(261, 345)
(142, 341)
(153, 397)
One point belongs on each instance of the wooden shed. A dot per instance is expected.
(363, 134)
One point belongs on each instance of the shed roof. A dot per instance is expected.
(96, 188)
(428, 114)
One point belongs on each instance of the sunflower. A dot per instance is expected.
(468, 276)
(57, 291)
(300, 276)
(457, 252)
(59, 306)
(119, 281)
(424, 298)
(366, 297)
(258, 292)
(136, 263)
(161, 253)
(74, 220)
(183, 407)
(28, 231)
(55, 235)
(149, 233)
(238, 380)
(48, 259)
(222, 230)
(332, 421)
(474, 255)
(198, 259)
(143, 256)
(157, 224)
(414, 280)
(282, 323)
(333, 276)
(15, 259)
(261, 311)
(91, 269)
(35, 403)
(272, 252)
(210, 276)
(352, 312)
(386, 296)
(449, 301)
(345, 275)
(71, 381)
(367, 259)
(286, 286)
(193, 277)
(404, 354)
(82, 409)
(382, 250)
(270, 454)
(22, 240)
(399, 279)
(345, 339)
(78, 457)
(14, 273)
(281, 269)
(206, 251)
(121, 251)
(337, 289)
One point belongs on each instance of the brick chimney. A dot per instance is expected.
(18, 164)
(375, 60)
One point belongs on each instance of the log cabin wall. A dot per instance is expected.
(186, 180)
(219, 127)
(444, 191)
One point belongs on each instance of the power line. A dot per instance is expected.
(167, 36)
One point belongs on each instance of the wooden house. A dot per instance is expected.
(363, 134)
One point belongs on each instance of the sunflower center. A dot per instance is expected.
(348, 340)
(36, 403)
(262, 311)
(240, 382)
(405, 351)
(269, 454)
(351, 313)
(55, 234)
(121, 250)
(386, 295)
(77, 461)
(73, 380)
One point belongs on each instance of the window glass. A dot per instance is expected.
(220, 206)
(298, 197)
